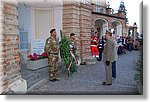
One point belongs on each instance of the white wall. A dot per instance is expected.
(38, 18)
(43, 20)
(55, 20)
(58, 19)
(42, 24)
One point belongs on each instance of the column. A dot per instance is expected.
(11, 78)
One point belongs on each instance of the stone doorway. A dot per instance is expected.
(101, 25)
(117, 28)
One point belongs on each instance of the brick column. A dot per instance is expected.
(77, 19)
(85, 30)
(10, 60)
(71, 24)
(3, 80)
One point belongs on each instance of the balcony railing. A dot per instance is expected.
(102, 9)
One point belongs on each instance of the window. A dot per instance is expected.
(84, 1)
(23, 41)
(101, 10)
(97, 5)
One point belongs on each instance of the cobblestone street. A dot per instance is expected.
(89, 78)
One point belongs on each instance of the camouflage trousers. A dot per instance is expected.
(53, 66)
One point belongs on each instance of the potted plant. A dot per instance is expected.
(36, 61)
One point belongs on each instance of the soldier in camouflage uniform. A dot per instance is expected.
(52, 49)
(73, 58)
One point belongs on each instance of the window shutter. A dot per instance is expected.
(23, 41)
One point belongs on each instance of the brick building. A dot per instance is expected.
(23, 22)
(82, 17)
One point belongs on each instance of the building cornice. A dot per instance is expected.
(86, 6)
(102, 14)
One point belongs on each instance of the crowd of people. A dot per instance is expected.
(127, 44)
(107, 48)
(110, 47)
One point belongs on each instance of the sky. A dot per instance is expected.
(132, 7)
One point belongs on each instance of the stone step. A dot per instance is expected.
(34, 76)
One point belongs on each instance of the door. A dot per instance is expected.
(42, 24)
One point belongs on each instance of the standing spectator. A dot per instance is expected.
(136, 45)
(94, 42)
(108, 53)
(130, 44)
(120, 46)
(123, 40)
(124, 45)
(101, 43)
(127, 42)
(114, 57)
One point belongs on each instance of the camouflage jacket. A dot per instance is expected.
(51, 46)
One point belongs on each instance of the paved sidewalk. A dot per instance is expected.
(89, 78)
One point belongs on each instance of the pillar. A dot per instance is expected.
(134, 32)
(10, 77)
(77, 19)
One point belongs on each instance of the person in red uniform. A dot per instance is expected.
(94, 43)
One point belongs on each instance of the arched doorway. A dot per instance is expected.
(117, 28)
(101, 25)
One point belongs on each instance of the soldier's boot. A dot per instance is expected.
(51, 77)
(55, 79)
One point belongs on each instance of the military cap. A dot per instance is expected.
(108, 32)
(52, 30)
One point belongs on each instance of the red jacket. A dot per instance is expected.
(94, 40)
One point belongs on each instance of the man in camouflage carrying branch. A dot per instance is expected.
(52, 49)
